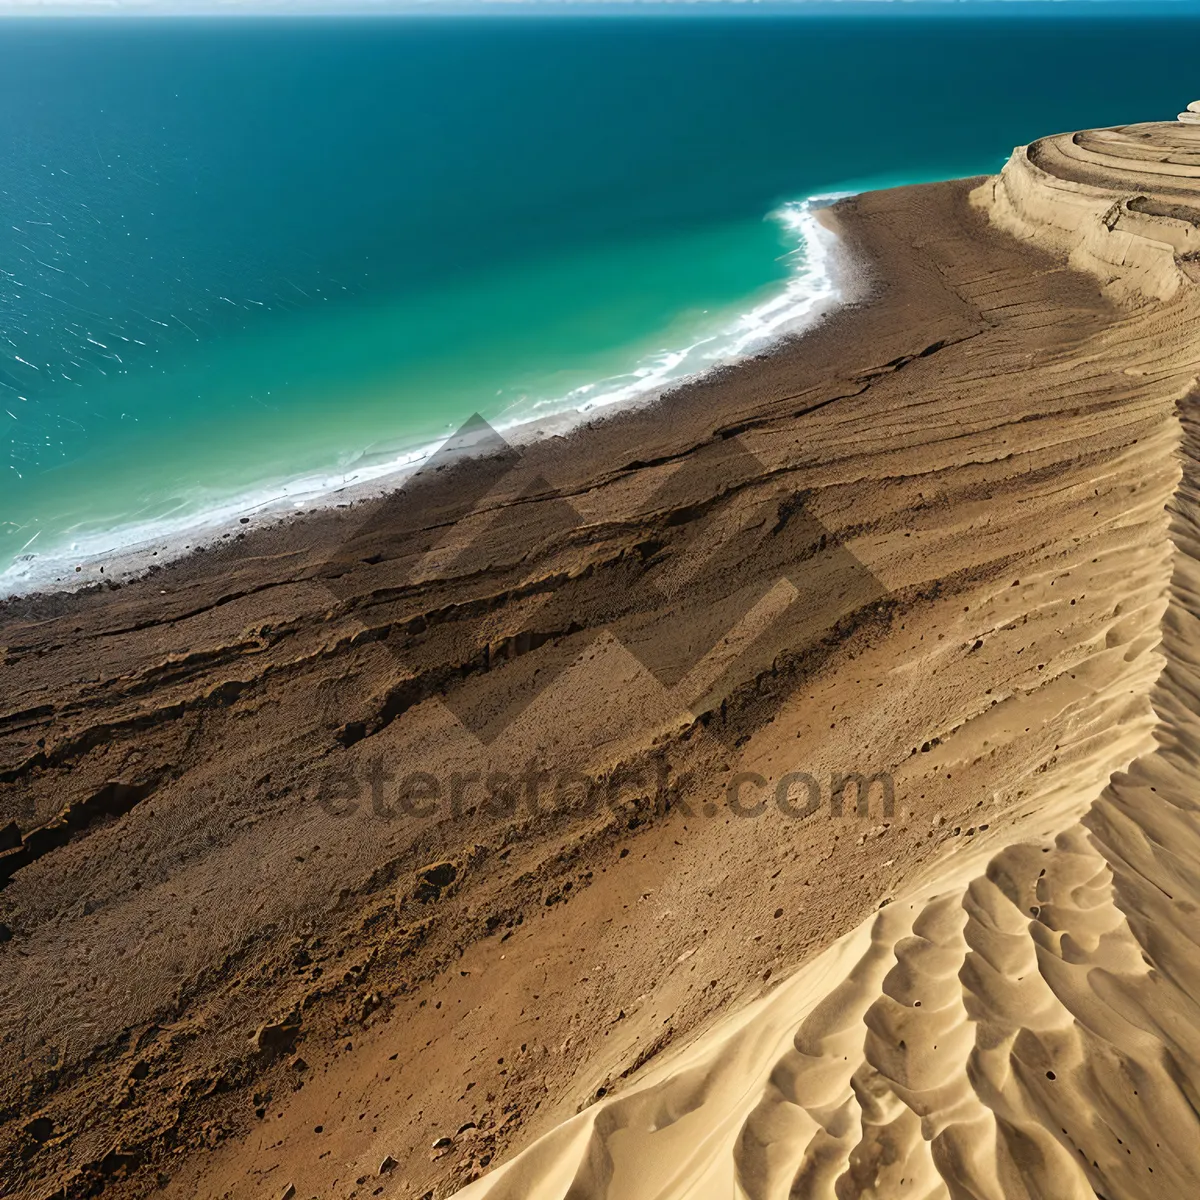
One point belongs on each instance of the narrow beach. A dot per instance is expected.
(456, 830)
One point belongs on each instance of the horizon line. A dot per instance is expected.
(282, 9)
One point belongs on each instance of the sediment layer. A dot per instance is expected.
(1021, 1020)
(268, 924)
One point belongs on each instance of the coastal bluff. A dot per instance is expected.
(1122, 204)
(241, 956)
(1020, 1019)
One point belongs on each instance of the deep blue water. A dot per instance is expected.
(234, 252)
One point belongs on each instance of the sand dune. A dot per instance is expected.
(1023, 1019)
(949, 535)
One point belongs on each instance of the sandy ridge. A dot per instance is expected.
(973, 463)
(1021, 1021)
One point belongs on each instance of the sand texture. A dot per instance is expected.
(1023, 1020)
(949, 535)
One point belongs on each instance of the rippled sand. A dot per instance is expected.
(948, 535)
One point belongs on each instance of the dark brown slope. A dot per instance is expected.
(609, 605)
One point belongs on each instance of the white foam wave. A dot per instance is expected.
(810, 289)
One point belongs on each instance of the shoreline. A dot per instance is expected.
(171, 540)
(926, 538)
(1089, 851)
(214, 696)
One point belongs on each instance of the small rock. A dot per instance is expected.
(119, 1162)
(41, 1129)
(434, 880)
(442, 1143)
(277, 1037)
(288, 1192)
(389, 1164)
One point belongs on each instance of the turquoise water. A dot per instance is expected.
(243, 258)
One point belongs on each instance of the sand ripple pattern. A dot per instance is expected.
(1021, 1022)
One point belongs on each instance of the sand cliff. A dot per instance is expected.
(1023, 1018)
(948, 535)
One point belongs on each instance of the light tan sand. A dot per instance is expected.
(211, 985)
(1023, 1019)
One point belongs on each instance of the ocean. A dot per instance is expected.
(246, 259)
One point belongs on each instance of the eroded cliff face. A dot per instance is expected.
(1023, 1018)
(958, 999)
(1123, 204)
